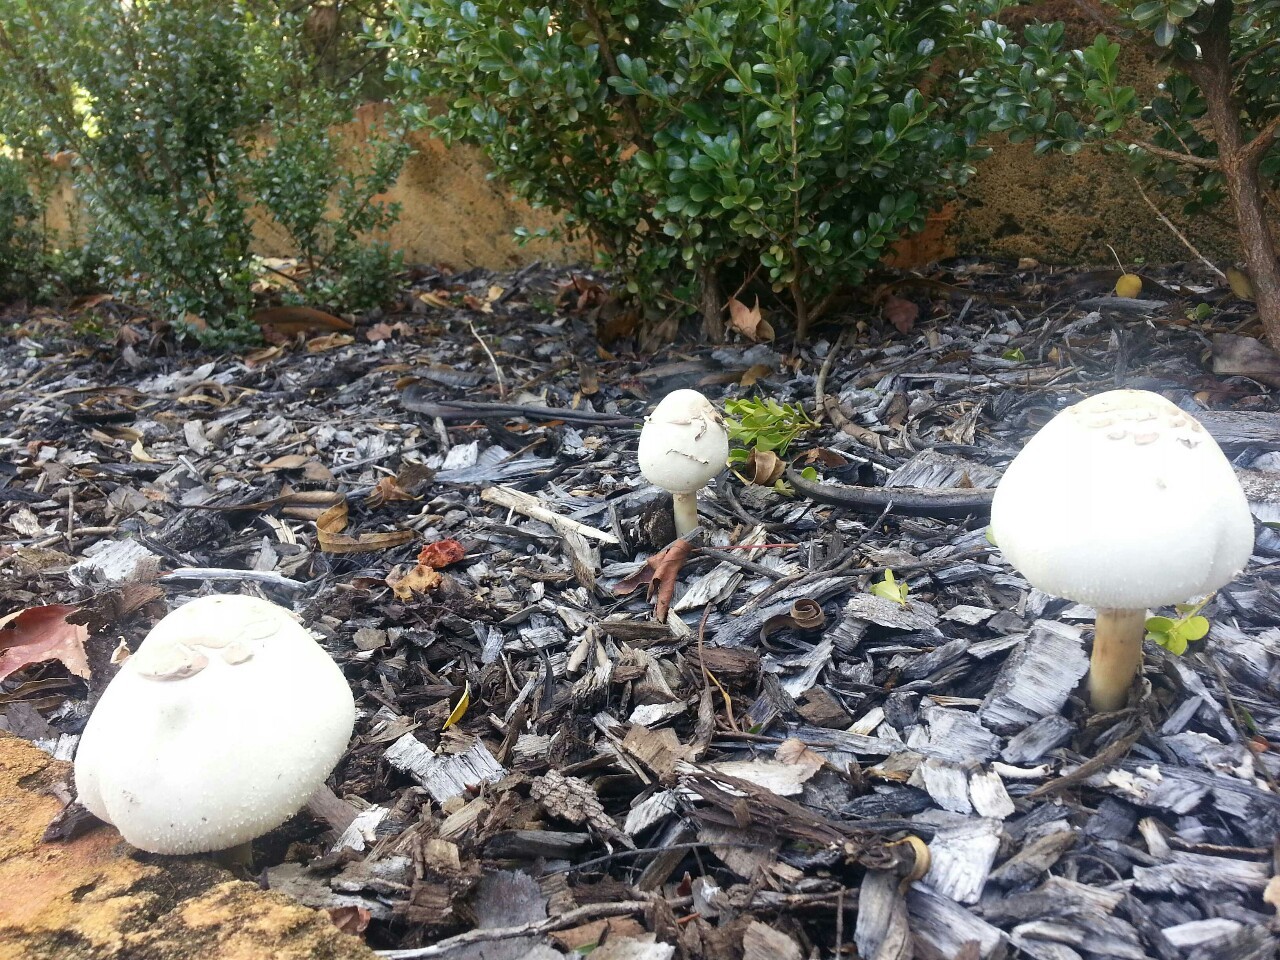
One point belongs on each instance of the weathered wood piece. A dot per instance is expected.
(1036, 679)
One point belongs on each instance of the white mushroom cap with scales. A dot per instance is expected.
(684, 444)
(222, 724)
(1122, 502)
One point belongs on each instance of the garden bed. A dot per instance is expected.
(725, 782)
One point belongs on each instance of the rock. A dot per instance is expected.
(96, 898)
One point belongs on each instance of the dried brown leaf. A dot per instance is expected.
(38, 634)
(293, 320)
(331, 523)
(902, 313)
(420, 579)
(748, 321)
(660, 572)
(764, 467)
(330, 341)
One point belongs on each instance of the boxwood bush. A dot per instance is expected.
(179, 115)
(705, 146)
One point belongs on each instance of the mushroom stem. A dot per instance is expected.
(1117, 656)
(686, 511)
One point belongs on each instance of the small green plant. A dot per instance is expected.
(763, 424)
(1174, 635)
(707, 145)
(889, 588)
(1200, 313)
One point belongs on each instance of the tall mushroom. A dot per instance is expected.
(221, 725)
(1122, 502)
(684, 444)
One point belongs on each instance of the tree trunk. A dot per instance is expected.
(1239, 162)
(712, 303)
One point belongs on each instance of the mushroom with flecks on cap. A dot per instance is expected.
(1122, 502)
(219, 728)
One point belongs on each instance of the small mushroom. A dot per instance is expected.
(221, 725)
(684, 444)
(1122, 502)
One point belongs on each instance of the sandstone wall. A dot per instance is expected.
(1055, 209)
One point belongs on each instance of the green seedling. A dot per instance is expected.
(1200, 313)
(765, 424)
(890, 589)
(1174, 635)
(1015, 354)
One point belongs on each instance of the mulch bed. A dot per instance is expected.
(758, 775)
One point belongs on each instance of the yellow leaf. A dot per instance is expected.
(1240, 283)
(140, 454)
(460, 710)
(1128, 286)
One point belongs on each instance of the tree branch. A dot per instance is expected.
(1255, 148)
(1207, 163)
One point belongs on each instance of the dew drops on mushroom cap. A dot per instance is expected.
(1123, 501)
(218, 729)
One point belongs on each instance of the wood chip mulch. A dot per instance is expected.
(789, 766)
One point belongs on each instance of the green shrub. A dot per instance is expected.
(176, 113)
(706, 144)
(1209, 135)
(21, 243)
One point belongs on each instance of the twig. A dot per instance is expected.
(497, 370)
(221, 573)
(531, 506)
(1175, 231)
(820, 385)
(1190, 159)
(707, 676)
(571, 918)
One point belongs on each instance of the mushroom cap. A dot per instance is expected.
(1123, 501)
(684, 443)
(218, 729)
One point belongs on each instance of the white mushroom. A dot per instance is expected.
(1122, 502)
(216, 730)
(684, 444)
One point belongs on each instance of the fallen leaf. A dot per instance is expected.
(1240, 283)
(660, 572)
(433, 299)
(754, 373)
(420, 579)
(460, 709)
(902, 313)
(350, 919)
(256, 358)
(379, 331)
(38, 634)
(441, 553)
(140, 454)
(329, 341)
(764, 467)
(387, 490)
(292, 320)
(1128, 286)
(748, 321)
(290, 461)
(331, 523)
